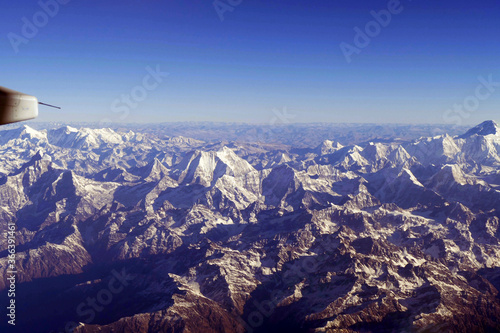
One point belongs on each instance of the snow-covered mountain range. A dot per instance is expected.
(234, 236)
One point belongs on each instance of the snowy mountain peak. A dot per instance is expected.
(237, 165)
(448, 175)
(69, 129)
(489, 127)
(180, 140)
(83, 138)
(22, 132)
(328, 147)
(154, 171)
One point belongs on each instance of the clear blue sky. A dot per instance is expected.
(264, 55)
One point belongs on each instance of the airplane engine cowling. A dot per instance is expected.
(16, 106)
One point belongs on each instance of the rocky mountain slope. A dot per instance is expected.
(136, 232)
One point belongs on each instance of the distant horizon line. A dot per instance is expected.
(108, 124)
